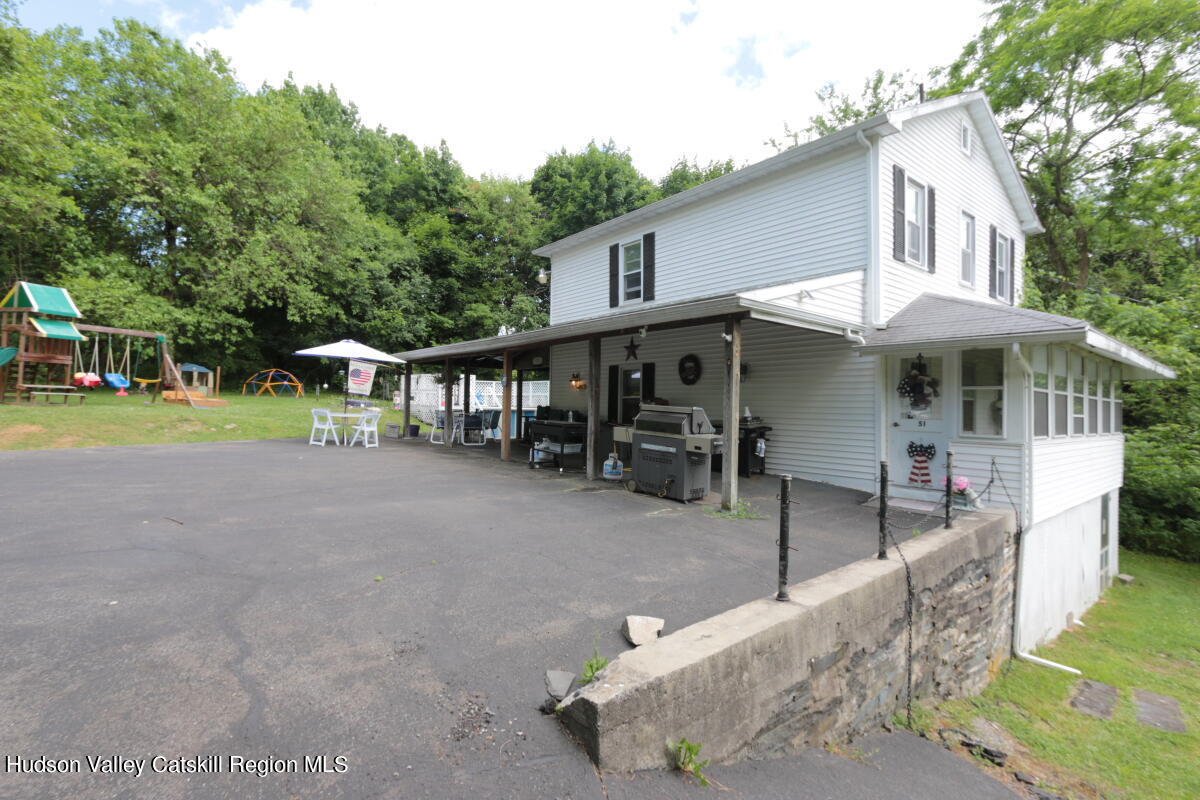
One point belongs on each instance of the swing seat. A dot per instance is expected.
(116, 380)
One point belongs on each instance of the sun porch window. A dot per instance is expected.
(983, 393)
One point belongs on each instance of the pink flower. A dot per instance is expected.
(961, 484)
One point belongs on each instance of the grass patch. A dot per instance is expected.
(592, 666)
(105, 419)
(1143, 636)
(743, 509)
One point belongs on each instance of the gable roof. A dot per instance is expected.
(885, 124)
(42, 299)
(937, 321)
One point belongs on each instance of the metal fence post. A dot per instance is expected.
(883, 508)
(949, 483)
(785, 514)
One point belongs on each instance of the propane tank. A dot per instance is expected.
(613, 468)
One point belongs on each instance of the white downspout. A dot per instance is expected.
(851, 336)
(873, 313)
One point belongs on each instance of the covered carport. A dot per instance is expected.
(729, 310)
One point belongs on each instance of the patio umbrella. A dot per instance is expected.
(349, 349)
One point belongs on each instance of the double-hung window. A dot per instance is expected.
(967, 268)
(914, 223)
(1041, 391)
(631, 271)
(1003, 266)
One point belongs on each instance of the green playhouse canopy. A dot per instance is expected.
(58, 329)
(42, 299)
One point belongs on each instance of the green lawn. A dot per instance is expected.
(105, 419)
(1147, 636)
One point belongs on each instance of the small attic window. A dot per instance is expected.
(964, 138)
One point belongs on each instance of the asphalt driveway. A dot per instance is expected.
(391, 610)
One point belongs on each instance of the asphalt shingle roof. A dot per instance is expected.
(932, 318)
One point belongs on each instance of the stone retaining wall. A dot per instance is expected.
(827, 665)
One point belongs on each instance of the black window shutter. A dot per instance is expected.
(614, 393)
(930, 227)
(898, 185)
(614, 276)
(648, 266)
(648, 393)
(992, 260)
(1012, 273)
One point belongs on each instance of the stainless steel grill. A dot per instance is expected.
(672, 449)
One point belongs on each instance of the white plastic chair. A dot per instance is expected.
(437, 434)
(367, 428)
(324, 423)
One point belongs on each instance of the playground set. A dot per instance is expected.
(41, 356)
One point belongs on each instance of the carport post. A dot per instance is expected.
(520, 405)
(506, 409)
(593, 408)
(448, 399)
(466, 388)
(407, 399)
(733, 398)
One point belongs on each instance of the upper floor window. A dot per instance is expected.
(1004, 261)
(914, 222)
(964, 138)
(967, 269)
(631, 271)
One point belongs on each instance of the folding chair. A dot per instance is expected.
(437, 434)
(471, 423)
(368, 429)
(324, 423)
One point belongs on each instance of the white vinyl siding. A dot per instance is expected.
(973, 459)
(812, 388)
(1067, 472)
(806, 222)
(925, 149)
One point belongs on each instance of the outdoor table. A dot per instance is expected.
(342, 417)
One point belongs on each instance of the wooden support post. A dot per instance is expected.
(520, 405)
(466, 392)
(407, 400)
(506, 409)
(733, 399)
(593, 409)
(448, 400)
(217, 388)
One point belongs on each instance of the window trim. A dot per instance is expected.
(1004, 256)
(962, 250)
(641, 272)
(966, 139)
(922, 223)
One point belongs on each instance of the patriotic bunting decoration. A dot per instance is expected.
(921, 455)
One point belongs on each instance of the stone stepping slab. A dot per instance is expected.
(1159, 711)
(1095, 699)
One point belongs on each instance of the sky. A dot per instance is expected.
(504, 84)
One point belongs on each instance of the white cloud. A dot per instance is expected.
(506, 83)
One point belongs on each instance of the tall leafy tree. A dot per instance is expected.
(685, 174)
(578, 190)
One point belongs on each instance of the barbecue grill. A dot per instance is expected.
(672, 447)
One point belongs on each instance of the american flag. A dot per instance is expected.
(359, 377)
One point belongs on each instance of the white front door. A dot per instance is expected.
(919, 429)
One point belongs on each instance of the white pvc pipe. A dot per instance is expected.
(1032, 659)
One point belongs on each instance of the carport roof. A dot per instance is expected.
(665, 315)
(932, 321)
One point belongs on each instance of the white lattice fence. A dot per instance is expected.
(427, 395)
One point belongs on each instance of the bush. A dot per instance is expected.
(1160, 503)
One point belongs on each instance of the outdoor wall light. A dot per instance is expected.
(543, 277)
(577, 382)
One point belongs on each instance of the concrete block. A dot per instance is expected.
(641, 630)
(558, 683)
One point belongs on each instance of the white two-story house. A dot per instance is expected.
(865, 289)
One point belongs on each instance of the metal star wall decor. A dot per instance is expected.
(631, 349)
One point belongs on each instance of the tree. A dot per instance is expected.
(686, 174)
(1099, 103)
(880, 92)
(578, 190)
